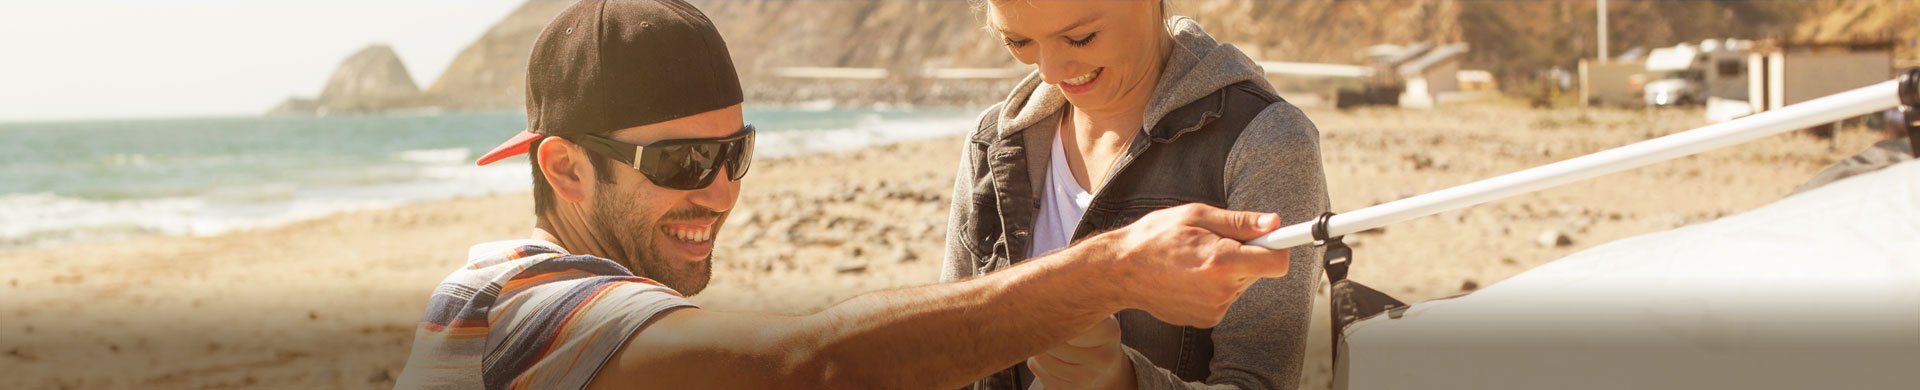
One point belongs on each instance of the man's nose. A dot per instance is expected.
(718, 196)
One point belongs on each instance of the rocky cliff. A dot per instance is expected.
(908, 37)
(1894, 20)
(1514, 40)
(492, 73)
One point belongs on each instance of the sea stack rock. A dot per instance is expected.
(373, 73)
(370, 80)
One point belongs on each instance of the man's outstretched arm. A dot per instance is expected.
(1171, 263)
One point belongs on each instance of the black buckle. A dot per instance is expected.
(1338, 256)
(1348, 301)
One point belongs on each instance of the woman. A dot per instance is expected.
(1131, 111)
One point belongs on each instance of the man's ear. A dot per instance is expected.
(566, 169)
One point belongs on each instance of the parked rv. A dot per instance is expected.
(1678, 88)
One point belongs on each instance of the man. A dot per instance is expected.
(637, 143)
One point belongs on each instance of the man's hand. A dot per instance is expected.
(1186, 265)
(1092, 360)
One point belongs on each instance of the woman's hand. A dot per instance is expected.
(1092, 360)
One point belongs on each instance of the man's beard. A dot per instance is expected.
(618, 224)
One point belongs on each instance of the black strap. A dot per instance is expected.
(1909, 81)
(1913, 130)
(1349, 301)
(1338, 256)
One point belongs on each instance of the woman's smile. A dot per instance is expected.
(1082, 83)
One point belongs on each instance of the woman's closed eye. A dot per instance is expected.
(1017, 42)
(1082, 41)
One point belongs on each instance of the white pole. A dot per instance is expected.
(1602, 12)
(1827, 109)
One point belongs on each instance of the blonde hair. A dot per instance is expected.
(979, 8)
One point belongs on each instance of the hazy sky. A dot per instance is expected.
(98, 59)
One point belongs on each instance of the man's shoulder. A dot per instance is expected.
(505, 278)
(526, 312)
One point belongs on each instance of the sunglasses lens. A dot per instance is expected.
(741, 159)
(681, 167)
(692, 166)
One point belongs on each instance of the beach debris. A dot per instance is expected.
(380, 375)
(1421, 161)
(1676, 220)
(1497, 229)
(69, 279)
(1577, 225)
(1553, 239)
(752, 234)
(850, 266)
(789, 226)
(16, 353)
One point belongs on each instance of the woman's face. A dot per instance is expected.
(1096, 51)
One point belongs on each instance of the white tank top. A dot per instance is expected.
(1062, 202)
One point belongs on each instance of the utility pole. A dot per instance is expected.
(1602, 12)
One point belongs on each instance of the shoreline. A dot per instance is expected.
(173, 201)
(331, 302)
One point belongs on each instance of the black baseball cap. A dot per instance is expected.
(605, 65)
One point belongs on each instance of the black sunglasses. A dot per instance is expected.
(681, 164)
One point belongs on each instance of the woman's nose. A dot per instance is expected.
(1054, 66)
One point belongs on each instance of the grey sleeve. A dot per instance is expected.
(1261, 344)
(958, 262)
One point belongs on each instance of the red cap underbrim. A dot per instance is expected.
(513, 147)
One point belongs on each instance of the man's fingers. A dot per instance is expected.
(1101, 334)
(1248, 260)
(1238, 225)
(1043, 368)
(1076, 356)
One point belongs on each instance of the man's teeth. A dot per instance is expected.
(703, 234)
(1083, 79)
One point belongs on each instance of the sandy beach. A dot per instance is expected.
(332, 302)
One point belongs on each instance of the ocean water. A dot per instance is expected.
(64, 182)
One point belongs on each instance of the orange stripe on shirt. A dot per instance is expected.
(523, 280)
(565, 331)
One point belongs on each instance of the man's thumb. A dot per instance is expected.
(1237, 225)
